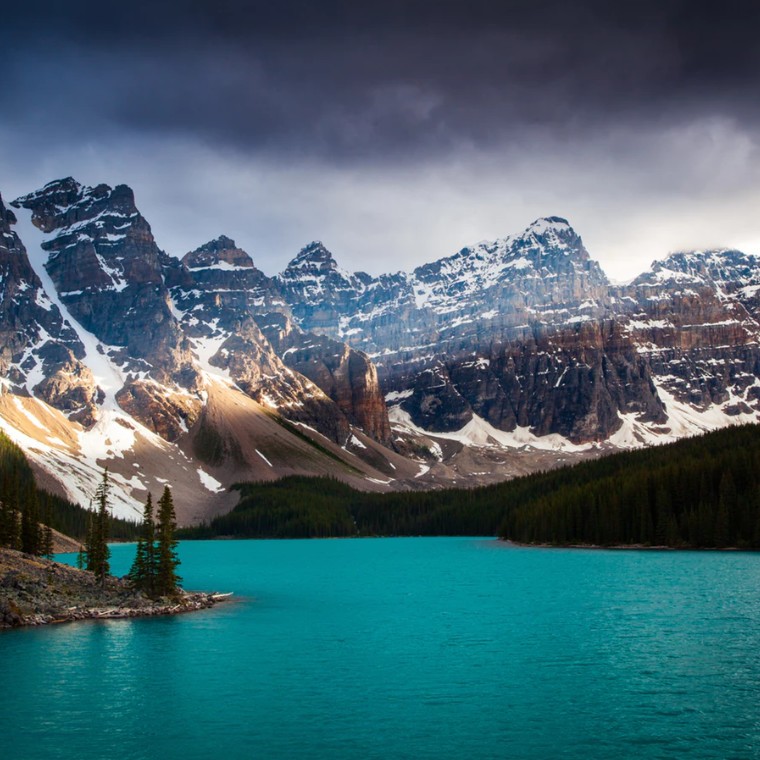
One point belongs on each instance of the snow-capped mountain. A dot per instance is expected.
(134, 354)
(40, 352)
(526, 332)
(504, 357)
(543, 274)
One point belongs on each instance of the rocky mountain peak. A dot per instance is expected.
(7, 217)
(312, 258)
(98, 237)
(715, 267)
(221, 253)
(313, 278)
(65, 202)
(551, 236)
(107, 270)
(555, 225)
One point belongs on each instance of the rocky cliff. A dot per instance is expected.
(40, 354)
(527, 332)
(506, 356)
(347, 376)
(238, 320)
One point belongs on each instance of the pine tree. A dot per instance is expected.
(5, 524)
(143, 571)
(727, 500)
(31, 535)
(722, 528)
(10, 527)
(48, 547)
(89, 538)
(98, 552)
(167, 580)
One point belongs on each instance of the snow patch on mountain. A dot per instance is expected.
(209, 483)
(107, 375)
(479, 433)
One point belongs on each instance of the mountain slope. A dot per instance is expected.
(526, 332)
(505, 357)
(156, 343)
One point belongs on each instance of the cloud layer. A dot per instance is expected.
(395, 131)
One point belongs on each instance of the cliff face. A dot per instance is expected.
(509, 350)
(527, 332)
(238, 320)
(39, 352)
(571, 382)
(164, 325)
(106, 268)
(320, 293)
(693, 317)
(518, 332)
(347, 376)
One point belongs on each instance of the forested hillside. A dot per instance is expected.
(699, 492)
(20, 496)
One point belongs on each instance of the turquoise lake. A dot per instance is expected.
(405, 648)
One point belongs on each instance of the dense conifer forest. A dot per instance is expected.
(23, 505)
(699, 492)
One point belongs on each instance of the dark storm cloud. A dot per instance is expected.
(397, 132)
(376, 81)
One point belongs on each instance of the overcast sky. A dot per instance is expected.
(395, 132)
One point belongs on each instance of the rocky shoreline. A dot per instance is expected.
(36, 591)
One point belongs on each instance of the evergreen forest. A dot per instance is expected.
(27, 510)
(701, 492)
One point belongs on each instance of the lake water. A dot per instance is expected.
(405, 648)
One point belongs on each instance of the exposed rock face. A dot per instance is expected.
(162, 323)
(496, 330)
(542, 274)
(224, 301)
(107, 270)
(70, 386)
(318, 291)
(221, 254)
(217, 294)
(220, 280)
(168, 414)
(347, 376)
(693, 317)
(39, 352)
(527, 332)
(571, 382)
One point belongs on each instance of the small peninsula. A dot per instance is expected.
(38, 591)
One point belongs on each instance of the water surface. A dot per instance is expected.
(405, 648)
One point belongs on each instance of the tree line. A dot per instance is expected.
(29, 514)
(307, 507)
(698, 492)
(701, 492)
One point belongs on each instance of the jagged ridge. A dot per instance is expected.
(506, 344)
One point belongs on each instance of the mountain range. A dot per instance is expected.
(506, 357)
